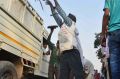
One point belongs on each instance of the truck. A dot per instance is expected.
(21, 37)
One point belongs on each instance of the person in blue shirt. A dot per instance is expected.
(111, 20)
(70, 59)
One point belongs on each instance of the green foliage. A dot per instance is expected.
(97, 45)
(99, 53)
(97, 40)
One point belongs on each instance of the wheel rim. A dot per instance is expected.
(7, 75)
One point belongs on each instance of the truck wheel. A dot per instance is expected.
(7, 70)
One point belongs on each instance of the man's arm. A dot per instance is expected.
(51, 32)
(105, 21)
(55, 14)
(61, 12)
(105, 24)
(50, 44)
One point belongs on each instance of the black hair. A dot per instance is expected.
(44, 41)
(71, 16)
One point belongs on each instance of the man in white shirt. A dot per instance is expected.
(70, 59)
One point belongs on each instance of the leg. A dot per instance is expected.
(76, 64)
(109, 69)
(114, 47)
(64, 68)
(57, 73)
(71, 75)
(51, 72)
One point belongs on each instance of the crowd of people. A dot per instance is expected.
(67, 60)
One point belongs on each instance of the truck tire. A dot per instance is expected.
(7, 70)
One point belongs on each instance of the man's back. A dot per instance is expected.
(114, 7)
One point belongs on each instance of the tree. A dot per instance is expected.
(98, 46)
(97, 40)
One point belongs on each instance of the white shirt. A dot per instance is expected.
(66, 37)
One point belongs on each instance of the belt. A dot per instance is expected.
(113, 33)
(68, 51)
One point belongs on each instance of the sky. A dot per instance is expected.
(89, 21)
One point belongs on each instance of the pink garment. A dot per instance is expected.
(105, 50)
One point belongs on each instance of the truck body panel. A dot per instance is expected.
(22, 32)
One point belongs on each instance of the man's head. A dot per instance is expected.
(71, 16)
(44, 45)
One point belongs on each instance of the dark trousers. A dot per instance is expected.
(70, 60)
(53, 72)
(109, 69)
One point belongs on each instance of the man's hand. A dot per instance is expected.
(103, 40)
(56, 3)
(48, 2)
(52, 29)
(51, 5)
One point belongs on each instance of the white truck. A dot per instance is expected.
(21, 37)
